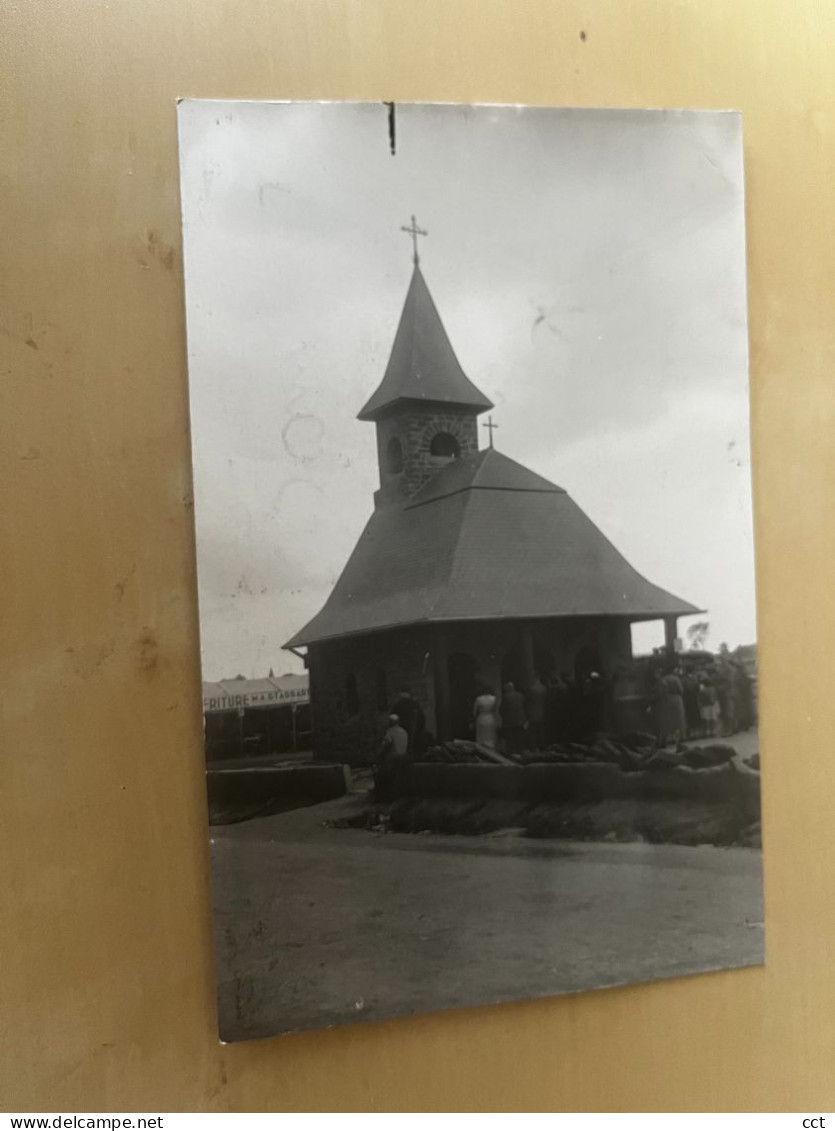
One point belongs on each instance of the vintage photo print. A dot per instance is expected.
(469, 412)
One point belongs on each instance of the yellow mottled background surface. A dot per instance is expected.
(106, 984)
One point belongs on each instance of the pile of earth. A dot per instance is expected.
(630, 753)
(621, 820)
(676, 810)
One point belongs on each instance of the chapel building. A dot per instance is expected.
(471, 571)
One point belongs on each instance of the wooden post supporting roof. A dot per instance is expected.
(441, 670)
(670, 634)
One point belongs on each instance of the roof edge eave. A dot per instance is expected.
(299, 642)
(372, 413)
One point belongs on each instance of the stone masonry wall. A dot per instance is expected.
(342, 736)
(415, 428)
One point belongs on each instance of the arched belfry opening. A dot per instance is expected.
(445, 446)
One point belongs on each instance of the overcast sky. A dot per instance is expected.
(589, 267)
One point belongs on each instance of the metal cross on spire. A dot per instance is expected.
(491, 427)
(414, 231)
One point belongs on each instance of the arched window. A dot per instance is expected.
(352, 695)
(394, 456)
(445, 445)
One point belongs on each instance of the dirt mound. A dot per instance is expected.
(657, 822)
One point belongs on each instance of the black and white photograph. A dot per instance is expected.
(475, 552)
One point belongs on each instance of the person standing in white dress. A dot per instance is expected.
(486, 722)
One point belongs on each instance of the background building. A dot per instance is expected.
(248, 718)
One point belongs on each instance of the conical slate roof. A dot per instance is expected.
(484, 539)
(423, 365)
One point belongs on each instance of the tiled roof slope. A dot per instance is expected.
(423, 365)
(485, 539)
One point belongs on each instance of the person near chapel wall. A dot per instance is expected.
(412, 719)
(708, 706)
(558, 726)
(514, 719)
(593, 704)
(485, 717)
(692, 711)
(392, 760)
(535, 702)
(669, 705)
(722, 683)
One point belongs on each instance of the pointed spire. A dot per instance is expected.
(423, 365)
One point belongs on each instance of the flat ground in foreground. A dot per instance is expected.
(318, 926)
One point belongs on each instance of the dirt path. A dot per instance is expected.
(319, 926)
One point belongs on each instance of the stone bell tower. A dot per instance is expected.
(426, 409)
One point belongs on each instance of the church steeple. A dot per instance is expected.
(423, 365)
(425, 408)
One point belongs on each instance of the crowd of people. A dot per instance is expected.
(712, 698)
(558, 709)
(554, 710)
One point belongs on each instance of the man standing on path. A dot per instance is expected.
(392, 760)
